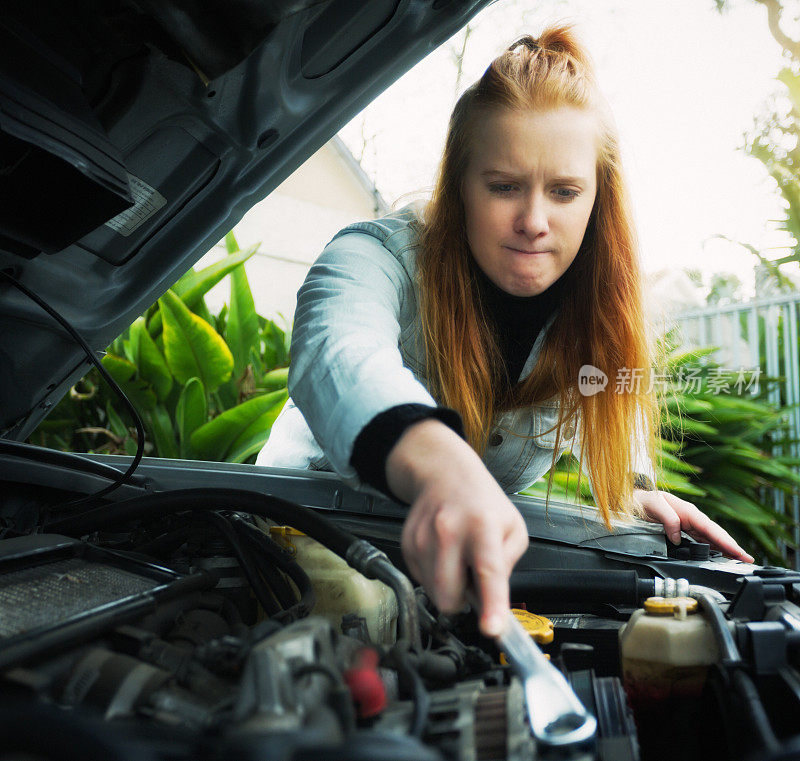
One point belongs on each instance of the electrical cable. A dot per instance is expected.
(124, 477)
(267, 564)
(260, 590)
(69, 460)
(262, 543)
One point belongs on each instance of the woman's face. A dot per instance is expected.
(528, 192)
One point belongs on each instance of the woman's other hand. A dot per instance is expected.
(460, 520)
(677, 515)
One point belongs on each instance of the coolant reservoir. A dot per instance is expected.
(666, 649)
(666, 652)
(341, 590)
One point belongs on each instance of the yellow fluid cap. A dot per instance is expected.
(285, 531)
(284, 536)
(669, 606)
(539, 627)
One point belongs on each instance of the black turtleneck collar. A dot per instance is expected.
(517, 320)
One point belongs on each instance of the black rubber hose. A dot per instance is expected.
(277, 583)
(728, 651)
(412, 682)
(246, 563)
(435, 666)
(754, 710)
(557, 586)
(156, 505)
(261, 542)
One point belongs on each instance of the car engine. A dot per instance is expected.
(224, 623)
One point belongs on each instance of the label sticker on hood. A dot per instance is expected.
(146, 202)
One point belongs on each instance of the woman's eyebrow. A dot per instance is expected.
(562, 178)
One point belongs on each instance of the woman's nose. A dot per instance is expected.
(532, 218)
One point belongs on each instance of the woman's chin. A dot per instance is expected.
(526, 286)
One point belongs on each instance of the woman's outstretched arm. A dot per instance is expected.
(460, 519)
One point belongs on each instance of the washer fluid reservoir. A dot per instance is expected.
(341, 590)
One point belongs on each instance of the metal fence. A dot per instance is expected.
(759, 335)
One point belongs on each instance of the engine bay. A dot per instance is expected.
(222, 622)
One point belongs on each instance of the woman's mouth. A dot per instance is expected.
(527, 251)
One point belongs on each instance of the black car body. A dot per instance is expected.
(133, 135)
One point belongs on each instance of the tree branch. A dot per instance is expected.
(774, 10)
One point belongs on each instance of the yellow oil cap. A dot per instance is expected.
(539, 627)
(669, 606)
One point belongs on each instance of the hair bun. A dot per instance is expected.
(559, 39)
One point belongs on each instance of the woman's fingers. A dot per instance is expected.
(491, 575)
(676, 514)
(448, 545)
(699, 524)
(448, 562)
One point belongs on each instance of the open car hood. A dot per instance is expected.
(135, 133)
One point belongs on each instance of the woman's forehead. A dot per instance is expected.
(561, 140)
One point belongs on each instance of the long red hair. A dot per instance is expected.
(600, 320)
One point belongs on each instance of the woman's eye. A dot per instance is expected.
(565, 194)
(501, 188)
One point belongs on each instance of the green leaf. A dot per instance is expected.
(190, 412)
(228, 432)
(242, 328)
(194, 285)
(139, 391)
(115, 422)
(255, 360)
(163, 432)
(192, 347)
(230, 243)
(149, 360)
(227, 396)
(275, 379)
(276, 352)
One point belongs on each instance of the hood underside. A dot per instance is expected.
(135, 133)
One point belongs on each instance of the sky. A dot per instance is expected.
(684, 83)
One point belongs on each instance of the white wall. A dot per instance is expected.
(293, 224)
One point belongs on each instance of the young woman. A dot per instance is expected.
(437, 357)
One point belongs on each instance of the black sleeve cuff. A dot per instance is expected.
(641, 481)
(378, 437)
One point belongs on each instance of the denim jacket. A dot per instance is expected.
(357, 350)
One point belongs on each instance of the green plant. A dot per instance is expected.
(715, 451)
(718, 451)
(207, 386)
